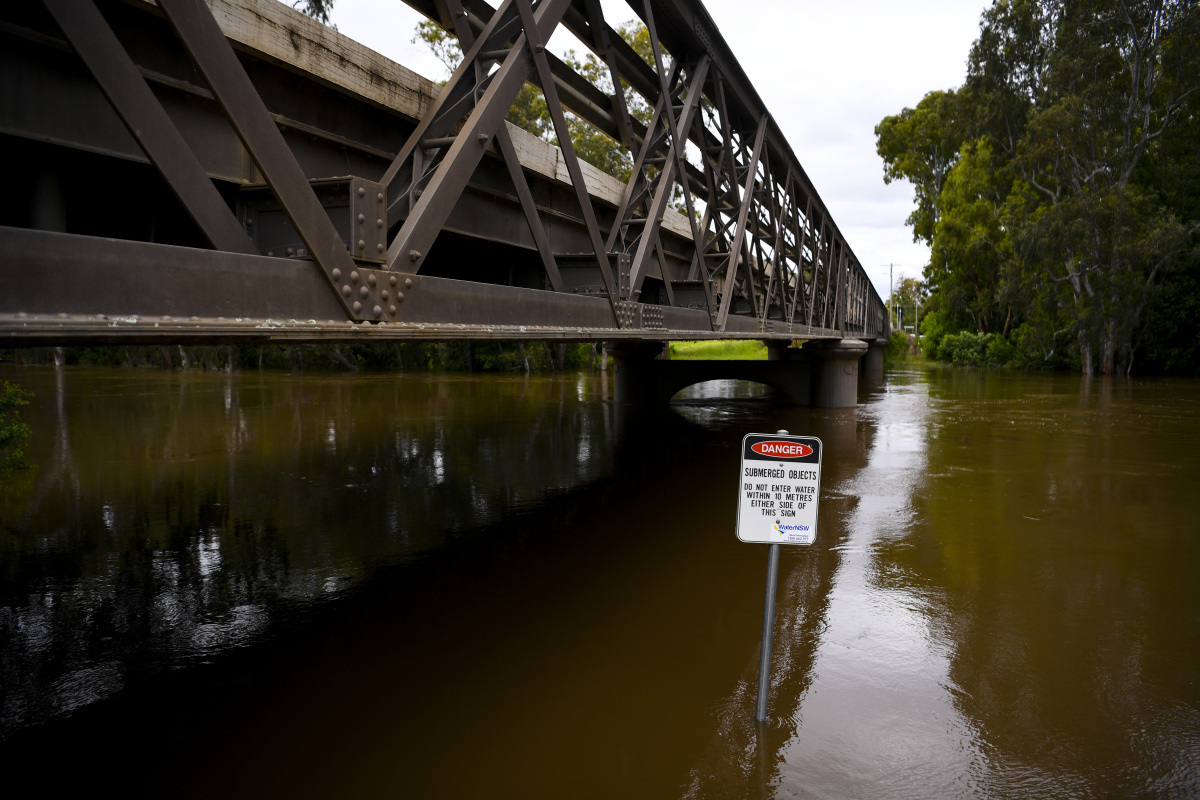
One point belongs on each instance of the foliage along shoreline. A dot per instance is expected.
(527, 357)
(1059, 191)
(524, 357)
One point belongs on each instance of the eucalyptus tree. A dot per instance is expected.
(1070, 199)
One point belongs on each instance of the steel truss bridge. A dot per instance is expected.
(234, 171)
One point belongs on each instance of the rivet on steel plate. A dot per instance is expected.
(357, 307)
(378, 311)
(354, 276)
(379, 197)
(379, 248)
(371, 279)
(337, 274)
(362, 192)
(393, 310)
(392, 280)
(346, 290)
(413, 255)
(408, 283)
(361, 244)
(385, 294)
(379, 223)
(291, 252)
(399, 297)
(363, 292)
(362, 218)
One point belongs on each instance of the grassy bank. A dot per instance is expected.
(752, 350)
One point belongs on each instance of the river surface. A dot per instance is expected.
(274, 585)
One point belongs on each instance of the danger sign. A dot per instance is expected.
(780, 484)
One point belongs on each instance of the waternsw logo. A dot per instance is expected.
(776, 449)
(782, 528)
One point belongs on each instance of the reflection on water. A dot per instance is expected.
(173, 515)
(466, 586)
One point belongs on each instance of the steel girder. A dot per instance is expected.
(767, 256)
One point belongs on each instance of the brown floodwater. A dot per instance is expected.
(453, 586)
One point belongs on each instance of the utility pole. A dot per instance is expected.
(891, 291)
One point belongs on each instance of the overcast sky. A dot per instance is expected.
(828, 72)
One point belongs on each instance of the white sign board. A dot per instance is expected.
(778, 488)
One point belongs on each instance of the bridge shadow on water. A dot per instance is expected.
(433, 586)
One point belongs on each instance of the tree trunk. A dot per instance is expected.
(524, 358)
(561, 350)
(1107, 351)
(341, 359)
(1085, 355)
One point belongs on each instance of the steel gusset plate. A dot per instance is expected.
(231, 86)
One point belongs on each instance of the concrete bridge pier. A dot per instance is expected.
(872, 362)
(835, 371)
(823, 374)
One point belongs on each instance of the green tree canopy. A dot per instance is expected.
(920, 145)
(1058, 186)
(531, 113)
(317, 9)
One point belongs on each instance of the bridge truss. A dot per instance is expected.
(293, 198)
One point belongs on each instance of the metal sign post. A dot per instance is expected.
(780, 484)
(768, 633)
